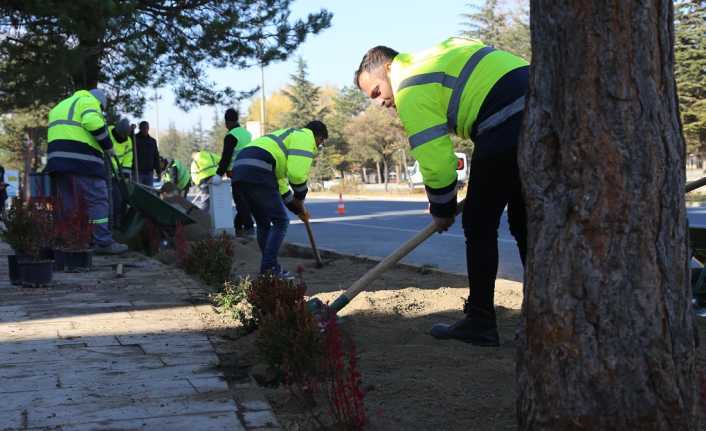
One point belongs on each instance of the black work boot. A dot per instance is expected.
(478, 328)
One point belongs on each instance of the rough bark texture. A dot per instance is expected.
(606, 338)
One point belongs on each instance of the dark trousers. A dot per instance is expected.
(146, 178)
(243, 216)
(493, 184)
(272, 220)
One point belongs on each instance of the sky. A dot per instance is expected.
(332, 55)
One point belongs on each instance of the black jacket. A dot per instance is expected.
(147, 154)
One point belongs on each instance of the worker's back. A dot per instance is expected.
(204, 166)
(75, 126)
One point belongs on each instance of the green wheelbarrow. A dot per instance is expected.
(144, 204)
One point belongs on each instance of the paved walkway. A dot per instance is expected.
(98, 352)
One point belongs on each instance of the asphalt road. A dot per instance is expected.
(377, 228)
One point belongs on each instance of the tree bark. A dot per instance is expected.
(379, 178)
(606, 338)
(365, 175)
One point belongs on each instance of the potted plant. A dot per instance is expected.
(72, 239)
(16, 230)
(28, 227)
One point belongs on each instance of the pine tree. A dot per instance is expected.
(690, 70)
(305, 98)
(50, 48)
(506, 30)
(486, 23)
(216, 133)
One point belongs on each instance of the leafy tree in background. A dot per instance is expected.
(49, 48)
(277, 107)
(348, 103)
(376, 135)
(690, 70)
(305, 98)
(15, 128)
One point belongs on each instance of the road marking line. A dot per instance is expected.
(365, 216)
(452, 235)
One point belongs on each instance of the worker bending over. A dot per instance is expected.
(474, 91)
(263, 173)
(175, 172)
(203, 172)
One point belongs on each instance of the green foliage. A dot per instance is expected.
(233, 300)
(14, 130)
(690, 70)
(176, 145)
(376, 135)
(211, 260)
(289, 339)
(305, 98)
(50, 48)
(214, 135)
(28, 227)
(348, 103)
(494, 23)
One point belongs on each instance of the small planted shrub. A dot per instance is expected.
(73, 230)
(343, 386)
(289, 339)
(211, 259)
(28, 227)
(233, 300)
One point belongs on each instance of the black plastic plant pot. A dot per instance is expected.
(78, 260)
(13, 270)
(46, 254)
(59, 260)
(36, 273)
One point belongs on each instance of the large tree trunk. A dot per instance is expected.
(379, 178)
(606, 338)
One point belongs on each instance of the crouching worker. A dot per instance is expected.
(174, 171)
(204, 165)
(263, 173)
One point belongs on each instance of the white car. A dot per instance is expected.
(462, 170)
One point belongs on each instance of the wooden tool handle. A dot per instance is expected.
(317, 256)
(386, 263)
(695, 184)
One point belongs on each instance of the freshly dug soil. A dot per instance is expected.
(412, 381)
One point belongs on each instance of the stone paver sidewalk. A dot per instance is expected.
(98, 352)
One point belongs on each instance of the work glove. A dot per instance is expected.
(296, 206)
(215, 180)
(443, 223)
(304, 215)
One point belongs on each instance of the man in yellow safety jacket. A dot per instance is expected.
(272, 172)
(235, 140)
(122, 147)
(175, 172)
(78, 141)
(204, 165)
(474, 91)
(122, 164)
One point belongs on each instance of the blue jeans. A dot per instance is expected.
(272, 221)
(69, 188)
(146, 179)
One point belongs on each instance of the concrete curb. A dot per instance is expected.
(295, 249)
